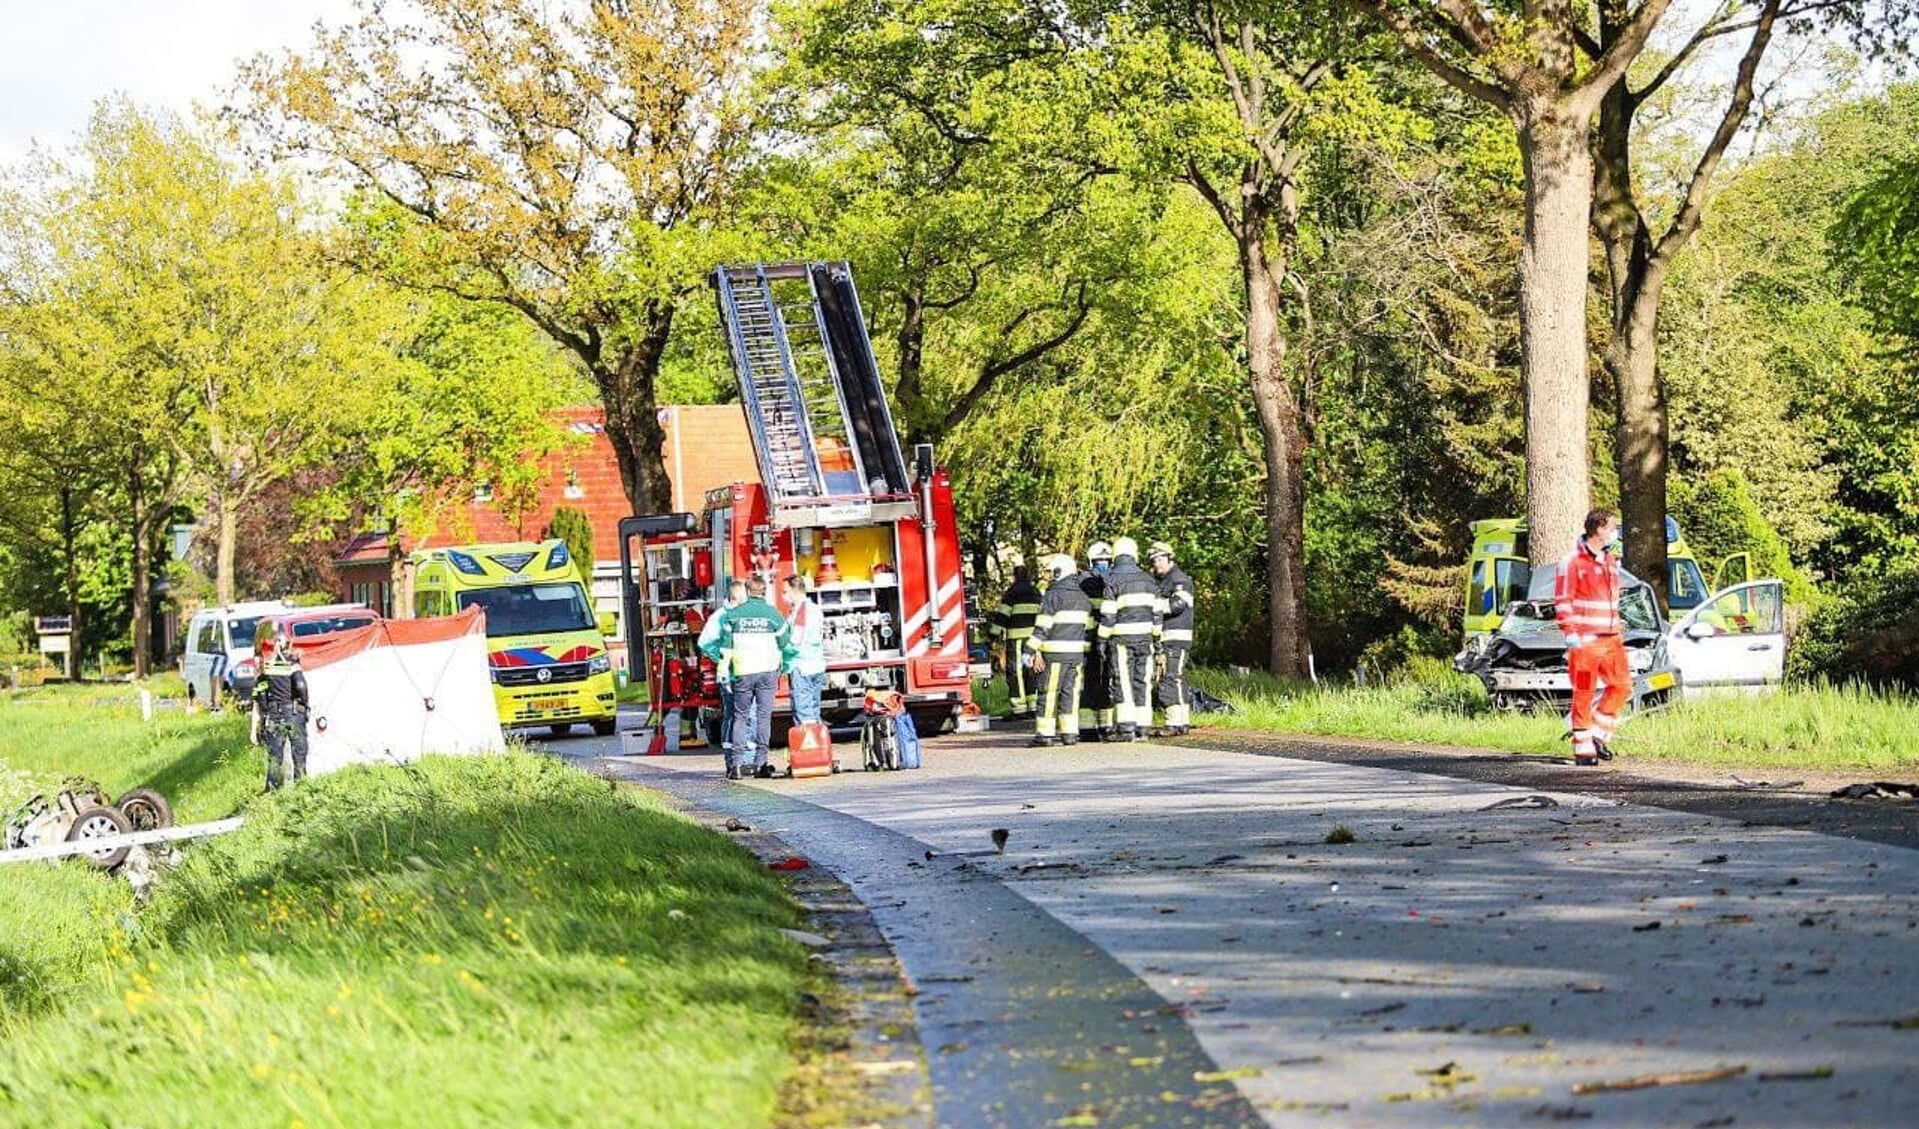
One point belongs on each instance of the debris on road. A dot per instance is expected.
(1649, 1081)
(1762, 785)
(1878, 790)
(736, 824)
(790, 862)
(1534, 801)
(1000, 835)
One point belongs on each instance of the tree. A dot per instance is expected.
(1238, 99)
(946, 158)
(565, 161)
(467, 400)
(92, 346)
(573, 527)
(1535, 70)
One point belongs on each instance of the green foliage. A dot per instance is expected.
(383, 933)
(1876, 239)
(573, 527)
(1868, 635)
(1719, 518)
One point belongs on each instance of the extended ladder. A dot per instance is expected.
(822, 431)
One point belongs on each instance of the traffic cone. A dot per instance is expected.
(829, 564)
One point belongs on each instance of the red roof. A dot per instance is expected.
(706, 446)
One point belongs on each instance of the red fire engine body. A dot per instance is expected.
(837, 504)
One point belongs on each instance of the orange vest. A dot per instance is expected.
(1586, 595)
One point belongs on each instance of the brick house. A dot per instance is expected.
(706, 446)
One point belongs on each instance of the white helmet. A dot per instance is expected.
(1126, 547)
(1099, 551)
(1061, 564)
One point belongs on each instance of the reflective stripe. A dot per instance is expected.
(1060, 647)
(1129, 630)
(1177, 635)
(1133, 600)
(1071, 615)
(1018, 632)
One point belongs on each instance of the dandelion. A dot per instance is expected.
(261, 1070)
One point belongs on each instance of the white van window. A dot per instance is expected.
(208, 642)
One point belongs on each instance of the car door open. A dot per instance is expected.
(1734, 641)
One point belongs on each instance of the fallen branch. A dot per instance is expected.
(1648, 1081)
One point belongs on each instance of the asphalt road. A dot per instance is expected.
(1167, 922)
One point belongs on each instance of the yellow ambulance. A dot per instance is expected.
(546, 648)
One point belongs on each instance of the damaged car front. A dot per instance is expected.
(1523, 664)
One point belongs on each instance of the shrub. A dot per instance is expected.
(1869, 636)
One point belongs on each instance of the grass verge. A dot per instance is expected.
(1808, 727)
(467, 941)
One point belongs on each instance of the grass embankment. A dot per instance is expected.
(467, 941)
(1804, 727)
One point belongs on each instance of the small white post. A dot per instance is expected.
(146, 705)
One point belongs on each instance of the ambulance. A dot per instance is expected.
(1499, 572)
(545, 647)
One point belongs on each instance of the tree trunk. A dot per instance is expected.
(1284, 500)
(70, 546)
(399, 577)
(142, 514)
(1553, 262)
(1632, 358)
(227, 549)
(910, 389)
(627, 389)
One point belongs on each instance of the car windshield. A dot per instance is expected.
(329, 625)
(1636, 609)
(531, 609)
(241, 630)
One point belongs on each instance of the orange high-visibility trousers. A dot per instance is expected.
(1601, 660)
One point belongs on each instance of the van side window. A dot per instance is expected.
(429, 603)
(208, 642)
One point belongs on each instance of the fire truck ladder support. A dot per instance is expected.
(808, 379)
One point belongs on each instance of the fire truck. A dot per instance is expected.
(836, 502)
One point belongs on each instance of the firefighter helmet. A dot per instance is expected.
(1061, 564)
(1099, 551)
(1160, 549)
(1126, 547)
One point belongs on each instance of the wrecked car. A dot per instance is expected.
(1733, 640)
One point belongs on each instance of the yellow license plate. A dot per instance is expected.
(1660, 681)
(547, 704)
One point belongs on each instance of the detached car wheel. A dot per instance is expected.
(146, 810)
(101, 823)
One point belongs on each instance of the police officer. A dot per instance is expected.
(1175, 636)
(1012, 625)
(1096, 685)
(280, 695)
(1059, 643)
(1129, 626)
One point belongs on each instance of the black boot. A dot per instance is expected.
(733, 772)
(1042, 742)
(1602, 750)
(1069, 739)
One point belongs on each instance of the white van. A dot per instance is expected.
(218, 662)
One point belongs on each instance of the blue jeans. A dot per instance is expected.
(752, 718)
(806, 695)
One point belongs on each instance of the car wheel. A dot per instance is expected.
(146, 810)
(561, 729)
(100, 823)
(605, 726)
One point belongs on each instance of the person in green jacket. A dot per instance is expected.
(752, 645)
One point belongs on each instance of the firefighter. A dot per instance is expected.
(1012, 626)
(1057, 650)
(1175, 637)
(1096, 685)
(1586, 606)
(280, 696)
(1129, 626)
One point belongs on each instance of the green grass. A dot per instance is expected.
(1808, 727)
(468, 941)
(199, 762)
(990, 696)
